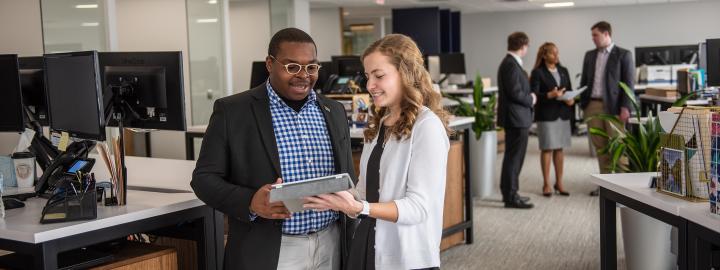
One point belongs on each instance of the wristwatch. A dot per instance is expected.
(365, 212)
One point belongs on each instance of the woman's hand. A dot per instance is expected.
(555, 92)
(341, 201)
(570, 102)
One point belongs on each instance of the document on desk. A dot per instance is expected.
(291, 194)
(572, 94)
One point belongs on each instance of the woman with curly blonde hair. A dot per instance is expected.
(402, 167)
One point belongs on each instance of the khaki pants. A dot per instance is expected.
(319, 250)
(594, 108)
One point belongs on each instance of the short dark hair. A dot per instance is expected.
(288, 35)
(517, 40)
(602, 26)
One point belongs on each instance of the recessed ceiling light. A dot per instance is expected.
(212, 2)
(559, 4)
(380, 2)
(87, 6)
(210, 20)
(90, 24)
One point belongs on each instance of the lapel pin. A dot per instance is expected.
(326, 108)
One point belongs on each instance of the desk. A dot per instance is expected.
(658, 104)
(697, 227)
(180, 214)
(468, 91)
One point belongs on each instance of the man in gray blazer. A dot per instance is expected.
(515, 115)
(603, 70)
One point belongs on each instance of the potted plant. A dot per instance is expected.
(483, 150)
(637, 151)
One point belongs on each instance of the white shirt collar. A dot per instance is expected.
(517, 58)
(609, 48)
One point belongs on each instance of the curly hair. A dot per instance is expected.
(405, 55)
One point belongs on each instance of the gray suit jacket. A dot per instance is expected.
(238, 156)
(620, 68)
(515, 104)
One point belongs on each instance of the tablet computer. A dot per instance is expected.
(291, 193)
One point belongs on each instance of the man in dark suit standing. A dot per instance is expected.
(603, 70)
(515, 110)
(280, 131)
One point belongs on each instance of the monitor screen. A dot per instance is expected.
(154, 96)
(11, 111)
(713, 61)
(77, 166)
(347, 65)
(74, 95)
(343, 80)
(452, 63)
(32, 78)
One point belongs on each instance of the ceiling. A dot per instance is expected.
(363, 8)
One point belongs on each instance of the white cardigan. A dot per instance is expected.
(412, 174)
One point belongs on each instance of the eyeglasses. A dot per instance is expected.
(295, 68)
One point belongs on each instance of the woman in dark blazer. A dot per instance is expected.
(549, 81)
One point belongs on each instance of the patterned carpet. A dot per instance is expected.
(559, 233)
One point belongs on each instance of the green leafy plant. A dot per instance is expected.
(484, 112)
(640, 146)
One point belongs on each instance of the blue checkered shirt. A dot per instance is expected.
(305, 152)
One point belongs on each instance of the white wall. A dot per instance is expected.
(484, 35)
(326, 31)
(139, 28)
(250, 35)
(21, 30)
(20, 27)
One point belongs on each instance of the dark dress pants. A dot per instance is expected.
(516, 141)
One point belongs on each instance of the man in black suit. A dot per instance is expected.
(603, 70)
(280, 131)
(515, 110)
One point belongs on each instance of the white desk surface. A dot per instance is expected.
(465, 91)
(635, 185)
(455, 121)
(673, 99)
(645, 86)
(699, 213)
(197, 129)
(23, 224)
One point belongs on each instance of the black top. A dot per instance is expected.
(362, 248)
(541, 82)
(515, 105)
(296, 105)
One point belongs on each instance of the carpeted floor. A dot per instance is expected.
(559, 233)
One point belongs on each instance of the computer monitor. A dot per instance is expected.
(74, 94)
(713, 61)
(348, 65)
(323, 75)
(32, 78)
(11, 110)
(452, 63)
(150, 85)
(259, 73)
(666, 55)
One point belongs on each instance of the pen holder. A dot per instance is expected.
(66, 206)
